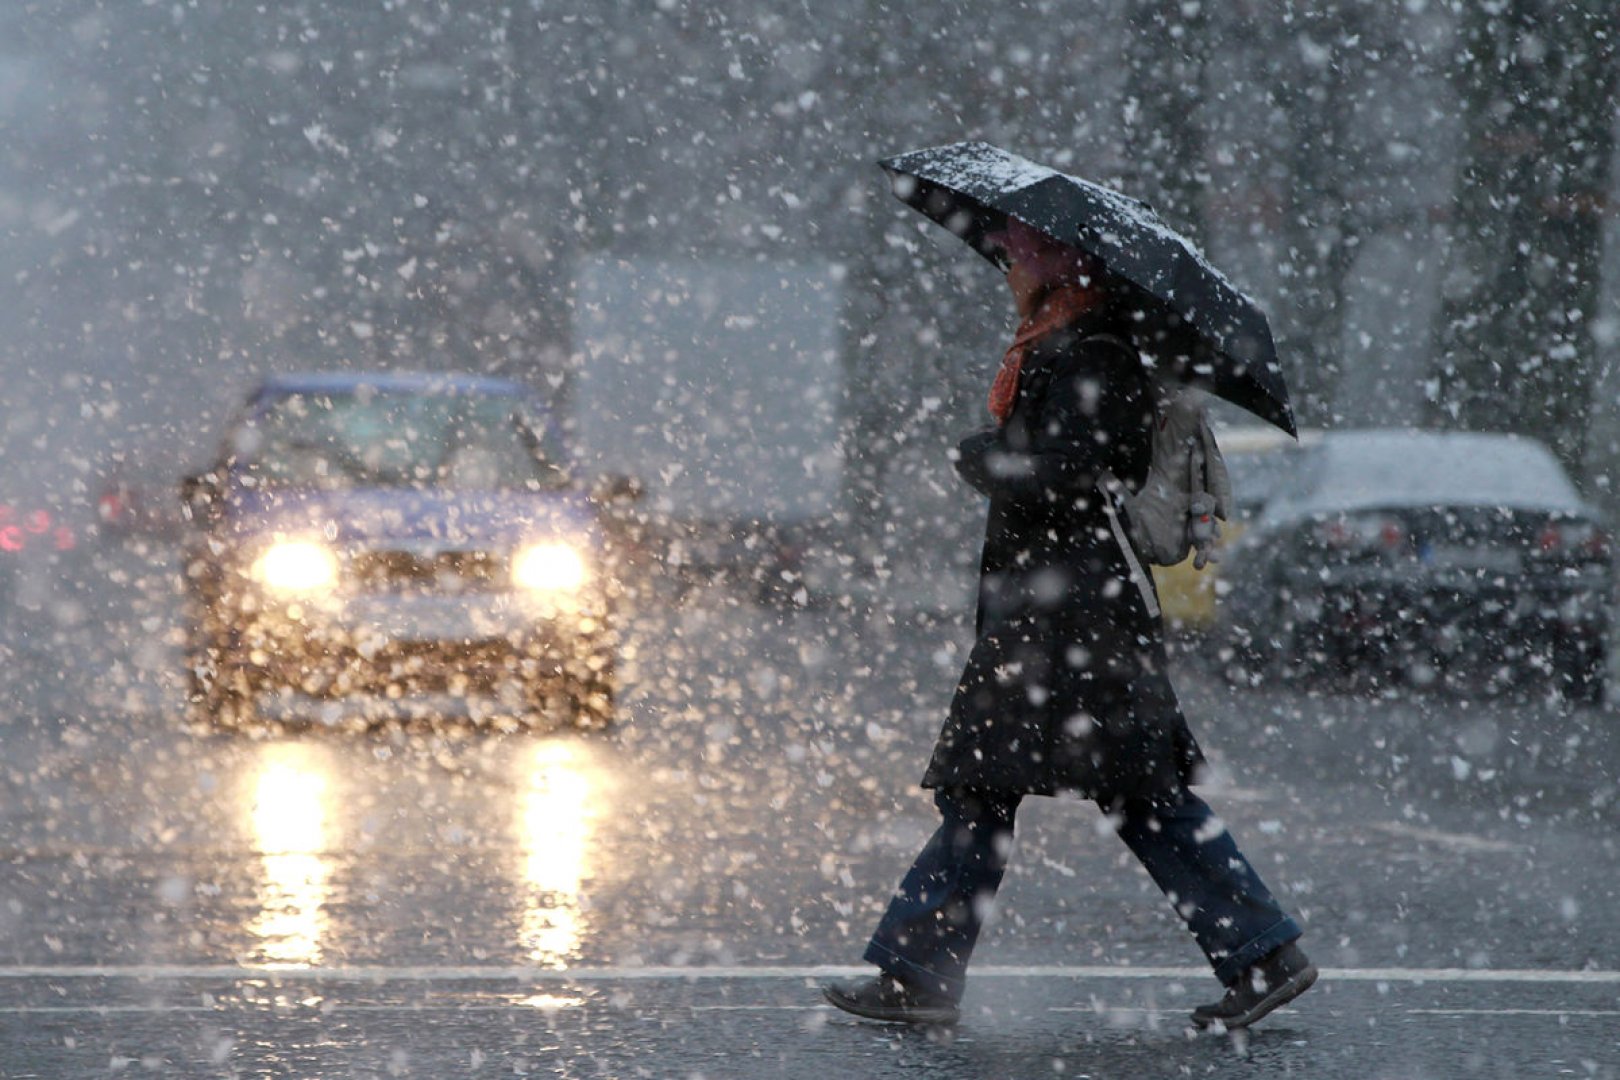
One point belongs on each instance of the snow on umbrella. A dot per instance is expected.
(1196, 325)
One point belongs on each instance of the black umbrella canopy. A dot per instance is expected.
(1193, 323)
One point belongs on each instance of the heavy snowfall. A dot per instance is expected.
(483, 566)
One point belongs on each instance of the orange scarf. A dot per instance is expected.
(1060, 307)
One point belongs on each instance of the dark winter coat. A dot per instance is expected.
(1066, 687)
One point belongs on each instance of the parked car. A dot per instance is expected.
(1257, 459)
(396, 535)
(1414, 555)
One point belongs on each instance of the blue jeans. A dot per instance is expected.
(927, 935)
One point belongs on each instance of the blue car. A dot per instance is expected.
(405, 537)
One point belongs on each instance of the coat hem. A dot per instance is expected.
(1186, 776)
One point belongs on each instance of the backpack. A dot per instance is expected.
(1187, 488)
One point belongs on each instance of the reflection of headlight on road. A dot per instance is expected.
(549, 568)
(296, 566)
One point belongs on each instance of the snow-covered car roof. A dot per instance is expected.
(1363, 470)
(1262, 439)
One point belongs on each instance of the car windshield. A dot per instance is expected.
(364, 438)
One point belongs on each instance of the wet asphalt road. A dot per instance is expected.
(432, 899)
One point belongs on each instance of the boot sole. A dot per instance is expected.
(1279, 997)
(938, 1015)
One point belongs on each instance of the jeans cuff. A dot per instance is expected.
(913, 974)
(1229, 970)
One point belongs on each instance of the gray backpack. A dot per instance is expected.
(1187, 489)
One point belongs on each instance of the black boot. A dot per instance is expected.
(1279, 977)
(884, 997)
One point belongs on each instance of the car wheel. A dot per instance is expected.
(1265, 650)
(1588, 686)
(220, 695)
(1286, 644)
(1579, 669)
(584, 704)
(225, 703)
(593, 702)
(592, 682)
(1238, 656)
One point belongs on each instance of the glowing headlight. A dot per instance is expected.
(296, 566)
(549, 567)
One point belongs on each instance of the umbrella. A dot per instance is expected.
(1193, 324)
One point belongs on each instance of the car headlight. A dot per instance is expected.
(549, 568)
(296, 566)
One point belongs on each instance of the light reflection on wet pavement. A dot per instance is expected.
(328, 902)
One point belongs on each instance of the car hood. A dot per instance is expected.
(369, 517)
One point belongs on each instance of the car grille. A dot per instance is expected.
(437, 571)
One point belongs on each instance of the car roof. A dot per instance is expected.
(1262, 439)
(1370, 469)
(389, 382)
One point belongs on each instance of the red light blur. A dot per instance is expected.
(16, 530)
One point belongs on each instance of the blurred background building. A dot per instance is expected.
(194, 193)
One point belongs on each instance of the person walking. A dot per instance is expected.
(1066, 686)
